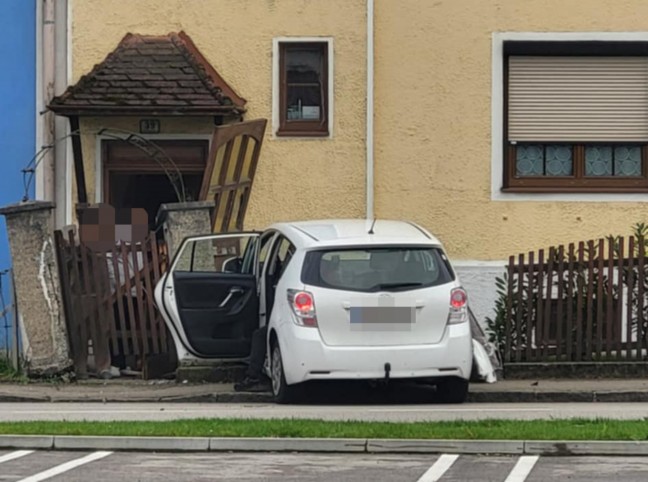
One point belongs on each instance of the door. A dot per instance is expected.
(135, 178)
(209, 297)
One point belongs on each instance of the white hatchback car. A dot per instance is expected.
(342, 299)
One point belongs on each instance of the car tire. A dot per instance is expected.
(453, 390)
(281, 391)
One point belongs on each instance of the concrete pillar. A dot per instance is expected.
(38, 291)
(180, 220)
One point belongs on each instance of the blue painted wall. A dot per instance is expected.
(17, 112)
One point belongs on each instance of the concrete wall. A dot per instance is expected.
(18, 107)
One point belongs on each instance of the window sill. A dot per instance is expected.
(298, 134)
(571, 190)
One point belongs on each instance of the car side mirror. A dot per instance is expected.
(232, 265)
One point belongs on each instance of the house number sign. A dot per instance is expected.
(149, 126)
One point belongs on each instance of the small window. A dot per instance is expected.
(303, 89)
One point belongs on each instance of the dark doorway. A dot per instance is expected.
(133, 179)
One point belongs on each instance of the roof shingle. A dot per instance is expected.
(154, 75)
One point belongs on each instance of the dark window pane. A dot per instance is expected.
(558, 160)
(530, 160)
(598, 161)
(627, 161)
(304, 84)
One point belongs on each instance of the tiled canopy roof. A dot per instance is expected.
(157, 75)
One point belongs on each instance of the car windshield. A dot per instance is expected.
(377, 269)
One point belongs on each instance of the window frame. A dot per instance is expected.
(284, 128)
(578, 182)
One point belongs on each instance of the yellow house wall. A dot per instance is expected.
(295, 178)
(433, 122)
(432, 113)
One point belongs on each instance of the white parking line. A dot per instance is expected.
(522, 469)
(14, 455)
(439, 468)
(67, 466)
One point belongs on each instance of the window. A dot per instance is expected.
(219, 254)
(281, 257)
(374, 269)
(576, 116)
(303, 89)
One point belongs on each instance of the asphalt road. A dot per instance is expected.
(403, 413)
(145, 467)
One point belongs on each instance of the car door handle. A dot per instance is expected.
(233, 291)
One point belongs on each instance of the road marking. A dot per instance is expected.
(522, 469)
(439, 468)
(67, 466)
(15, 455)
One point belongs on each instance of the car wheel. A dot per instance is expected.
(453, 390)
(280, 390)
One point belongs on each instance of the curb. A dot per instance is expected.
(331, 445)
(520, 396)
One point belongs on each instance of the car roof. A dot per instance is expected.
(351, 232)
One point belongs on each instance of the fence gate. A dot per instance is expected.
(108, 299)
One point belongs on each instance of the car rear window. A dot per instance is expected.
(377, 269)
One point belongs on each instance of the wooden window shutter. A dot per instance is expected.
(577, 99)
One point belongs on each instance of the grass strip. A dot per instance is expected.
(575, 429)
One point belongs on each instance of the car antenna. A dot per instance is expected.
(371, 229)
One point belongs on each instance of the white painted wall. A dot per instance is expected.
(478, 279)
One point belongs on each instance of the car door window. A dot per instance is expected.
(281, 258)
(214, 255)
(264, 249)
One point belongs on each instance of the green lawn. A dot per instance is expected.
(479, 430)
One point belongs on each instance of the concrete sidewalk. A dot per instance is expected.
(507, 391)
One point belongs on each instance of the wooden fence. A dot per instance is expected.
(108, 299)
(579, 302)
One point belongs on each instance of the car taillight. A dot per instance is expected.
(303, 306)
(458, 306)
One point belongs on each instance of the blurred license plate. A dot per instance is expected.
(382, 314)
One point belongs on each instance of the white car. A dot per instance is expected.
(342, 299)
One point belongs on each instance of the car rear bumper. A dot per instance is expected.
(306, 357)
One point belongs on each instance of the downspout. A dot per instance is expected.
(60, 123)
(48, 58)
(370, 111)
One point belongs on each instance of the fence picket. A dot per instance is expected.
(590, 299)
(529, 332)
(546, 325)
(618, 313)
(570, 304)
(509, 310)
(518, 318)
(600, 282)
(539, 311)
(630, 300)
(561, 302)
(610, 300)
(641, 275)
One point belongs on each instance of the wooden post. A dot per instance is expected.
(79, 171)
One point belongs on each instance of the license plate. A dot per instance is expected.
(382, 314)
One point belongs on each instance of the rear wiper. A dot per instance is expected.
(383, 286)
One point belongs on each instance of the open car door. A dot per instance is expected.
(209, 297)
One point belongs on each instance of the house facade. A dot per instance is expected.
(19, 119)
(501, 126)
